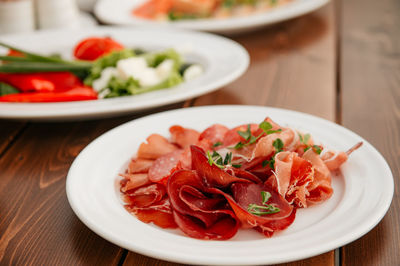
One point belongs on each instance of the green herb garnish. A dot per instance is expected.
(250, 138)
(216, 159)
(264, 208)
(216, 144)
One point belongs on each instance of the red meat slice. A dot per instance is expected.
(145, 196)
(139, 166)
(199, 214)
(155, 147)
(164, 166)
(212, 175)
(214, 134)
(160, 214)
(184, 137)
(245, 194)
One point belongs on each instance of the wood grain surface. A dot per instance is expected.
(37, 226)
(370, 87)
(8, 131)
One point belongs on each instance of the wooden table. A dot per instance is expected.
(341, 63)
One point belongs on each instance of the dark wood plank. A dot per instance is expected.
(8, 131)
(37, 226)
(292, 66)
(370, 85)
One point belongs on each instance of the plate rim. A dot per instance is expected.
(357, 233)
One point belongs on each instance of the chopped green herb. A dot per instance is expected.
(237, 165)
(265, 125)
(245, 134)
(265, 196)
(239, 145)
(304, 138)
(216, 144)
(228, 158)
(278, 145)
(317, 149)
(216, 159)
(265, 208)
(267, 128)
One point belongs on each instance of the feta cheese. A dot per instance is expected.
(164, 69)
(131, 66)
(105, 77)
(193, 72)
(137, 68)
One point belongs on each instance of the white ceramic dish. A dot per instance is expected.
(223, 60)
(119, 12)
(359, 202)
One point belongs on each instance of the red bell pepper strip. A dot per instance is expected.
(80, 93)
(92, 48)
(41, 82)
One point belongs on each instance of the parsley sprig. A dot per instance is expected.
(304, 139)
(250, 138)
(264, 208)
(216, 159)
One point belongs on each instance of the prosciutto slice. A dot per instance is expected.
(292, 176)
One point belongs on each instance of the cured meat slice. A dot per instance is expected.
(139, 166)
(302, 174)
(199, 214)
(212, 175)
(279, 223)
(160, 214)
(145, 196)
(155, 147)
(214, 134)
(333, 160)
(184, 137)
(232, 136)
(224, 228)
(320, 188)
(245, 194)
(164, 166)
(133, 181)
(291, 177)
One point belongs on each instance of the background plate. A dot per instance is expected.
(362, 192)
(223, 60)
(119, 12)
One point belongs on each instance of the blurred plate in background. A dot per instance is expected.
(223, 61)
(119, 12)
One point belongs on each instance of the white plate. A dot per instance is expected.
(223, 60)
(362, 194)
(119, 12)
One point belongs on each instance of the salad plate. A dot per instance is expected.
(119, 12)
(93, 192)
(222, 60)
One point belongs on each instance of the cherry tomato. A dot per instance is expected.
(92, 48)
